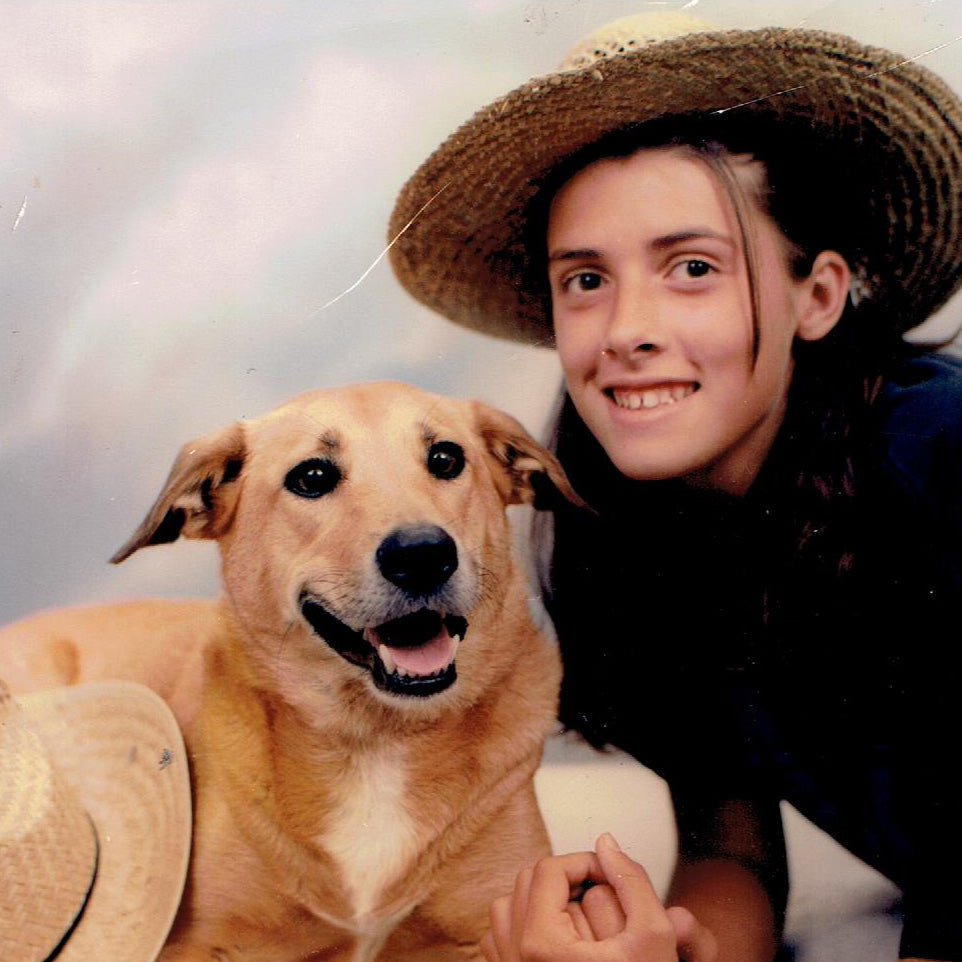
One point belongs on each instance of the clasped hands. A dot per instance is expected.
(592, 907)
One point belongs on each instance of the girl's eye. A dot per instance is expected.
(313, 478)
(695, 268)
(446, 460)
(583, 281)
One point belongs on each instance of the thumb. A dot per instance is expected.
(695, 942)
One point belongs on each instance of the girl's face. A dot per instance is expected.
(653, 316)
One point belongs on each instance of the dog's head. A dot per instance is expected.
(363, 532)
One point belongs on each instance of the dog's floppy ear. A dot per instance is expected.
(199, 496)
(524, 471)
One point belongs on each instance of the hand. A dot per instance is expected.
(619, 918)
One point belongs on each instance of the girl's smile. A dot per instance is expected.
(653, 313)
(651, 396)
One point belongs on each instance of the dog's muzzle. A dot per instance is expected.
(413, 654)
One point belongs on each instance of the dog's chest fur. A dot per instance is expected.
(371, 836)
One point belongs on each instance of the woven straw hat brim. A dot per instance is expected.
(117, 745)
(462, 212)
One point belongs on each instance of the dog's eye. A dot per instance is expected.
(445, 460)
(313, 478)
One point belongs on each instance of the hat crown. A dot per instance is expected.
(622, 36)
(48, 847)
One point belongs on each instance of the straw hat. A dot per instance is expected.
(461, 216)
(94, 823)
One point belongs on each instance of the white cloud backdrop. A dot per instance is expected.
(185, 185)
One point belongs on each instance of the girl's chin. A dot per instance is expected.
(656, 457)
(654, 464)
(649, 472)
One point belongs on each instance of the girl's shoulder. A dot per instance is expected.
(919, 420)
(927, 387)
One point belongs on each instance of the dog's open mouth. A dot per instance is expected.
(411, 655)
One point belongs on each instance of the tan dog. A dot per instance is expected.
(366, 705)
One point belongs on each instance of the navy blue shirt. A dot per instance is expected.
(697, 637)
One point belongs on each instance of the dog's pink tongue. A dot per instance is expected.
(426, 659)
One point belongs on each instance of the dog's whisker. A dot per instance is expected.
(487, 581)
(280, 648)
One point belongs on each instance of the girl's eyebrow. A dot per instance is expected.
(578, 253)
(683, 236)
(664, 242)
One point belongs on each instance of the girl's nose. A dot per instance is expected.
(634, 329)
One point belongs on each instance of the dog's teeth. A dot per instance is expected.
(386, 658)
(456, 626)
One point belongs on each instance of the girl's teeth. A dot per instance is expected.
(633, 400)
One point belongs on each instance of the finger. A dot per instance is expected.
(631, 884)
(552, 884)
(581, 924)
(695, 942)
(603, 911)
(564, 876)
(519, 907)
(489, 950)
(500, 934)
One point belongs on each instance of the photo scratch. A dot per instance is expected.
(377, 260)
(878, 73)
(20, 213)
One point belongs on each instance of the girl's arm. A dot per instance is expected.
(732, 874)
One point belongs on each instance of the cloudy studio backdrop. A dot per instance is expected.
(190, 194)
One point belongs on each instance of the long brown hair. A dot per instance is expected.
(824, 443)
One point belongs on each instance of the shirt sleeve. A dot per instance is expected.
(923, 434)
(924, 455)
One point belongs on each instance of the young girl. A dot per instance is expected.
(726, 235)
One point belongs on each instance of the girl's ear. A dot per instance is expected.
(823, 296)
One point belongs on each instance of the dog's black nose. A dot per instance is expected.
(418, 559)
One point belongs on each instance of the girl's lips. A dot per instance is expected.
(635, 399)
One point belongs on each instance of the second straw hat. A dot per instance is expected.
(95, 823)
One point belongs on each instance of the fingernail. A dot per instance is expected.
(608, 840)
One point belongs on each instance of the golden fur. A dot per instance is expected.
(335, 820)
